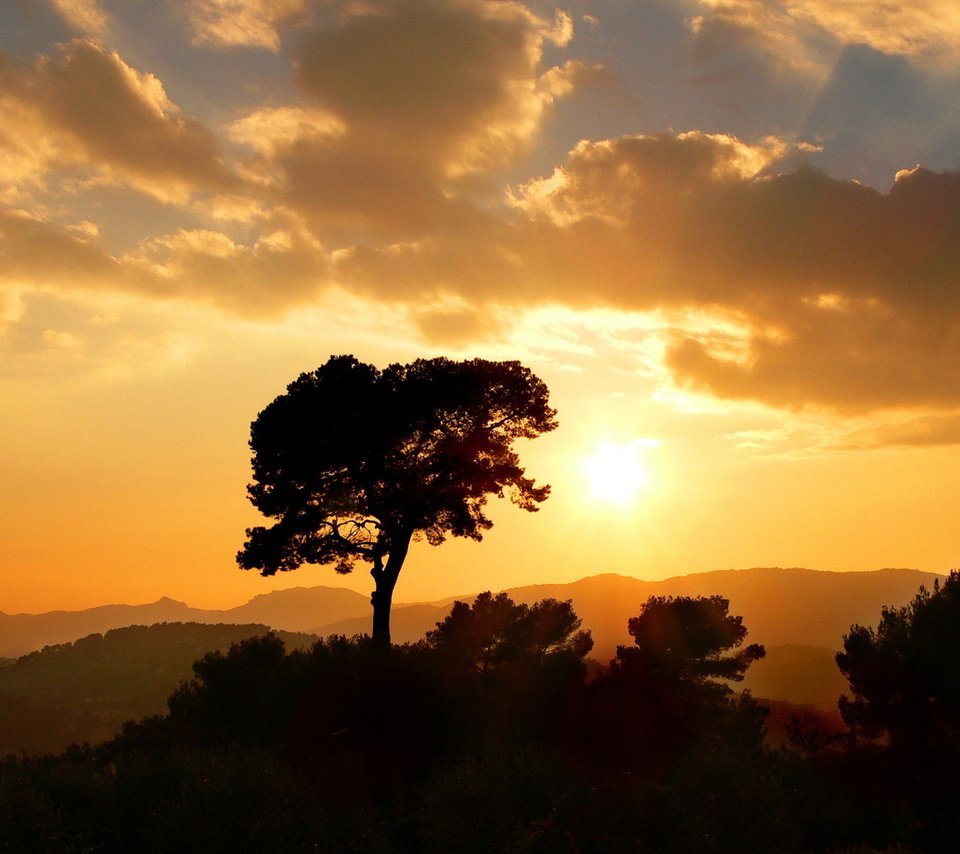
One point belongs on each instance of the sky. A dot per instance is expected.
(725, 233)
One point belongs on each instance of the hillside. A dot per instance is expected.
(84, 691)
(296, 610)
(779, 606)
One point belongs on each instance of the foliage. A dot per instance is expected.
(496, 632)
(84, 691)
(472, 741)
(685, 639)
(904, 675)
(353, 462)
(243, 696)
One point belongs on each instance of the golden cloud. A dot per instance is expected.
(37, 252)
(247, 23)
(845, 297)
(91, 110)
(85, 16)
(918, 29)
(280, 269)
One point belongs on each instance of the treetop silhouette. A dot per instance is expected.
(353, 463)
(689, 640)
(495, 632)
(904, 674)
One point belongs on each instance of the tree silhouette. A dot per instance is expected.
(496, 632)
(510, 670)
(904, 675)
(354, 463)
(686, 639)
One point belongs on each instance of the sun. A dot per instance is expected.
(616, 473)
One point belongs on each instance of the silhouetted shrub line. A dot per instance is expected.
(487, 736)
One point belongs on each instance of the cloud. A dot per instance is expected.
(921, 29)
(36, 252)
(85, 16)
(247, 23)
(925, 431)
(412, 100)
(89, 109)
(810, 291)
(383, 174)
(458, 324)
(280, 269)
(916, 29)
(463, 77)
(850, 294)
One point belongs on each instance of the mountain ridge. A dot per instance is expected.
(779, 605)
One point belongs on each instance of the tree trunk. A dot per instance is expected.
(385, 579)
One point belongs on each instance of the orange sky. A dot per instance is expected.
(703, 224)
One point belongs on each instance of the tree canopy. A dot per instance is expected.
(687, 639)
(495, 632)
(904, 675)
(353, 463)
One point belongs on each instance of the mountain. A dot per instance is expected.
(802, 675)
(23, 633)
(85, 690)
(294, 610)
(299, 608)
(408, 623)
(779, 606)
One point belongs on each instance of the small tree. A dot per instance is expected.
(688, 640)
(904, 675)
(496, 632)
(354, 463)
(510, 670)
(667, 694)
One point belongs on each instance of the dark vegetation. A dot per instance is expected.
(488, 736)
(84, 691)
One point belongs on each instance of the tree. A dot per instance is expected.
(510, 671)
(685, 639)
(666, 695)
(904, 674)
(354, 463)
(496, 632)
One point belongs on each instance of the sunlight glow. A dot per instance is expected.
(616, 472)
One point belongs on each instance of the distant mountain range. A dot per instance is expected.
(296, 610)
(778, 606)
(101, 666)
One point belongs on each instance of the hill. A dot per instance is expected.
(295, 610)
(779, 606)
(84, 691)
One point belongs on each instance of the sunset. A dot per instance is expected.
(731, 227)
(719, 238)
